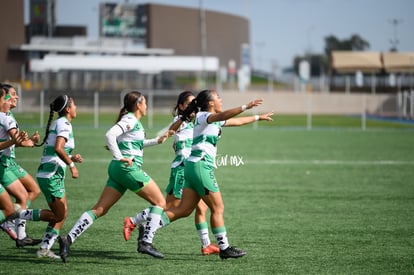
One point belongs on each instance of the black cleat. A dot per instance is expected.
(140, 233)
(231, 252)
(64, 245)
(148, 248)
(27, 241)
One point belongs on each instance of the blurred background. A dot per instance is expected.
(318, 57)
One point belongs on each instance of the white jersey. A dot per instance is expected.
(131, 142)
(183, 139)
(205, 139)
(61, 127)
(7, 122)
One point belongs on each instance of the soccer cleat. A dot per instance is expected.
(231, 252)
(140, 232)
(46, 253)
(64, 245)
(10, 228)
(129, 226)
(27, 241)
(148, 248)
(210, 249)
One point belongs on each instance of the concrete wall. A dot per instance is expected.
(300, 103)
(279, 102)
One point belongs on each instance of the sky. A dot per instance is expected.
(283, 29)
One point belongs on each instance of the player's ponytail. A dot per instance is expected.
(58, 105)
(200, 103)
(182, 97)
(130, 101)
(191, 108)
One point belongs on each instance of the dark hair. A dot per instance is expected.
(130, 100)
(2, 90)
(6, 87)
(181, 99)
(59, 106)
(200, 103)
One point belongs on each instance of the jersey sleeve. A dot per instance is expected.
(64, 129)
(9, 123)
(202, 118)
(126, 124)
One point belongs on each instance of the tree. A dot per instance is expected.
(354, 43)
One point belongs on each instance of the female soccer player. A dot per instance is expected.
(126, 141)
(182, 147)
(57, 155)
(199, 168)
(13, 172)
(7, 209)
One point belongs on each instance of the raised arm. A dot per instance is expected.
(238, 121)
(225, 115)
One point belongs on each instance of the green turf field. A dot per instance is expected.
(334, 200)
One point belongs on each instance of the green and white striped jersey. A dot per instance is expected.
(131, 141)
(205, 139)
(7, 122)
(183, 139)
(61, 127)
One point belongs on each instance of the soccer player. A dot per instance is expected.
(13, 172)
(57, 155)
(199, 168)
(182, 147)
(126, 141)
(7, 209)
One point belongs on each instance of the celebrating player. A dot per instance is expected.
(182, 146)
(199, 169)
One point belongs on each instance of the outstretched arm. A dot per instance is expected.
(225, 115)
(238, 121)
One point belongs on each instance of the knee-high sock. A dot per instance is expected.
(221, 236)
(49, 238)
(84, 222)
(20, 228)
(141, 217)
(202, 230)
(30, 214)
(156, 219)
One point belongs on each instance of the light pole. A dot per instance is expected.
(394, 41)
(203, 43)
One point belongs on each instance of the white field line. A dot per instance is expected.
(330, 162)
(264, 161)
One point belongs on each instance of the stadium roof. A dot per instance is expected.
(398, 62)
(142, 64)
(82, 45)
(349, 61)
(393, 62)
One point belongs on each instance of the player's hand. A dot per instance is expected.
(77, 158)
(75, 172)
(165, 136)
(35, 137)
(267, 116)
(128, 162)
(254, 103)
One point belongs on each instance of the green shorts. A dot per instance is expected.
(122, 177)
(12, 171)
(176, 182)
(53, 187)
(200, 177)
